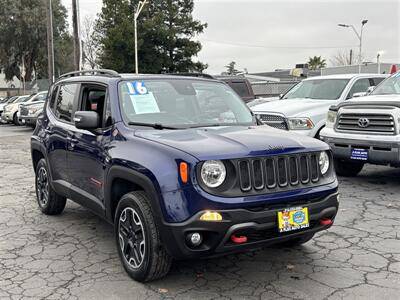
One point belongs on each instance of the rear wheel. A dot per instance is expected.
(50, 203)
(138, 239)
(347, 168)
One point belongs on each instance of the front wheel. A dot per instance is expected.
(15, 120)
(138, 239)
(347, 168)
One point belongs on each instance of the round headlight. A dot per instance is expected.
(213, 173)
(323, 162)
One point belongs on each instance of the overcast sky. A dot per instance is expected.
(263, 35)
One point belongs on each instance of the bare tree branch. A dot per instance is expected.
(90, 45)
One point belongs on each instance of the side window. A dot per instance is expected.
(65, 102)
(93, 98)
(377, 81)
(361, 85)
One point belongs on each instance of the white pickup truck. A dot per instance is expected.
(303, 108)
(366, 130)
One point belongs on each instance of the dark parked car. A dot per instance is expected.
(241, 86)
(144, 153)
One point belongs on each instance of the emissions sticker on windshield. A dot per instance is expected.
(137, 88)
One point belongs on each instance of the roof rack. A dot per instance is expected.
(103, 72)
(199, 75)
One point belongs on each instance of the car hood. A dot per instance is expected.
(294, 107)
(376, 98)
(34, 104)
(233, 141)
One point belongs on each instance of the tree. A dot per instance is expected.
(344, 58)
(166, 30)
(90, 43)
(23, 38)
(231, 69)
(316, 62)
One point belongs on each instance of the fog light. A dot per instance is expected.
(211, 216)
(195, 238)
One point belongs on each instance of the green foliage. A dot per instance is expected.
(166, 30)
(231, 68)
(23, 36)
(316, 62)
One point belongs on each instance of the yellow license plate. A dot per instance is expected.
(293, 219)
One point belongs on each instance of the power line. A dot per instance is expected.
(277, 47)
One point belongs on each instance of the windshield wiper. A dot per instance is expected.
(153, 125)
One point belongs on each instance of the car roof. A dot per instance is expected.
(348, 76)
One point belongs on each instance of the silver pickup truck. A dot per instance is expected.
(366, 130)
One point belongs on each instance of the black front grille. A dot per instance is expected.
(275, 121)
(281, 172)
(24, 111)
(375, 123)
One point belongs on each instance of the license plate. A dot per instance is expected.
(293, 219)
(359, 154)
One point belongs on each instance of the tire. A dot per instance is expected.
(135, 228)
(298, 241)
(15, 120)
(50, 203)
(347, 168)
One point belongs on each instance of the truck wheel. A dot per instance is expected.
(347, 168)
(138, 239)
(50, 203)
(298, 241)
(15, 120)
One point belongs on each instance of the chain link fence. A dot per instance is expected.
(272, 89)
(17, 88)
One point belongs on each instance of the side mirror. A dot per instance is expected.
(86, 120)
(370, 90)
(281, 96)
(361, 94)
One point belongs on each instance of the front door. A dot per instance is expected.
(87, 152)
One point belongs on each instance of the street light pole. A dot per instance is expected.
(136, 16)
(50, 44)
(359, 36)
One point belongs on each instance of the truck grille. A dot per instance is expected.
(23, 111)
(281, 172)
(375, 123)
(276, 121)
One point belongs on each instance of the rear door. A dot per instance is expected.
(57, 131)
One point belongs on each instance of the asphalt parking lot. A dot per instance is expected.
(73, 256)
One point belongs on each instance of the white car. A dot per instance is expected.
(10, 112)
(304, 107)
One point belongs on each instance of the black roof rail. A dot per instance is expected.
(104, 72)
(199, 75)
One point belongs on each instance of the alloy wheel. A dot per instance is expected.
(42, 186)
(131, 237)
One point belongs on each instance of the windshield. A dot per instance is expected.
(321, 89)
(390, 86)
(182, 103)
(22, 99)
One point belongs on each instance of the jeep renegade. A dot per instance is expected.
(180, 166)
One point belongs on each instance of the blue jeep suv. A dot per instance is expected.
(180, 166)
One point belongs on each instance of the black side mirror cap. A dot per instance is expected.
(87, 120)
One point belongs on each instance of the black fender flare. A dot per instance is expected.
(137, 178)
(36, 145)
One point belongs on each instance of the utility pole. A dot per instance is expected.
(359, 36)
(77, 39)
(50, 44)
(351, 57)
(136, 16)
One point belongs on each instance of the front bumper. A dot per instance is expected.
(261, 228)
(382, 150)
(7, 117)
(29, 120)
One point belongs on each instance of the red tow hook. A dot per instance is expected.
(326, 222)
(238, 239)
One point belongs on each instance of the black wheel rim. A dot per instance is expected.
(131, 237)
(42, 186)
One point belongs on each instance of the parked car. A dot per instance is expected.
(6, 101)
(366, 130)
(303, 108)
(11, 111)
(29, 113)
(176, 182)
